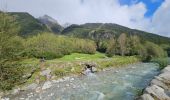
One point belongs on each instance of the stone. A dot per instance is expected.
(46, 85)
(166, 77)
(27, 75)
(166, 69)
(94, 69)
(67, 85)
(5, 99)
(159, 83)
(32, 86)
(66, 78)
(15, 91)
(147, 97)
(45, 72)
(157, 92)
(72, 79)
(38, 90)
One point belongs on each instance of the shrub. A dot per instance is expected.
(51, 46)
(163, 62)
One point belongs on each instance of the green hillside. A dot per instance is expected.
(51, 24)
(28, 24)
(108, 30)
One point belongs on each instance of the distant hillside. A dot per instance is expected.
(28, 24)
(51, 23)
(99, 31)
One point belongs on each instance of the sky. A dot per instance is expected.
(147, 15)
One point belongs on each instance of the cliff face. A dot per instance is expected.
(159, 88)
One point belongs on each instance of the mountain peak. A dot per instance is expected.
(51, 23)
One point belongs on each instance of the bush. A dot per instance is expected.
(51, 46)
(11, 75)
(154, 50)
(163, 62)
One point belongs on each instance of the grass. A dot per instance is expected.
(80, 57)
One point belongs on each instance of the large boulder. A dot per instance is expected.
(147, 97)
(159, 83)
(166, 69)
(157, 92)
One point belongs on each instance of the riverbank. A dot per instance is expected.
(70, 65)
(159, 88)
(117, 83)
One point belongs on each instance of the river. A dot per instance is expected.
(117, 84)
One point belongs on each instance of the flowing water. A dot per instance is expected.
(117, 84)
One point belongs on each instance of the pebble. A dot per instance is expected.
(72, 79)
(67, 85)
(5, 99)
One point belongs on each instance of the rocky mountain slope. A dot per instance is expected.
(51, 23)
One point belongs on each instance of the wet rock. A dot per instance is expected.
(46, 85)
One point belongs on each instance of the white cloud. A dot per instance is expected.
(88, 11)
(161, 20)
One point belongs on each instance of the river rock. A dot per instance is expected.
(166, 77)
(94, 69)
(159, 83)
(167, 69)
(15, 91)
(46, 85)
(45, 72)
(32, 86)
(147, 97)
(157, 92)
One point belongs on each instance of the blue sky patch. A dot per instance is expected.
(152, 5)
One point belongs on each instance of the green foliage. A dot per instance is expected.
(112, 48)
(10, 75)
(11, 47)
(51, 46)
(163, 62)
(60, 72)
(154, 50)
(117, 61)
(108, 31)
(28, 24)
